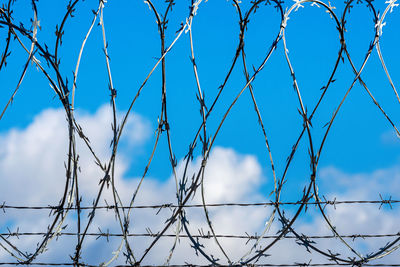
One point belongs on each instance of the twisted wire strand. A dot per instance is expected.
(185, 189)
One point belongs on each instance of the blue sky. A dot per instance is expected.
(361, 139)
(361, 142)
(313, 45)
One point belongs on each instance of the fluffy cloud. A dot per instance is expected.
(32, 159)
(31, 166)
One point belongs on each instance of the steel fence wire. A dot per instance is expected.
(177, 225)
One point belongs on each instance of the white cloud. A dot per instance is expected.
(390, 138)
(361, 185)
(34, 157)
(355, 219)
(31, 164)
(32, 167)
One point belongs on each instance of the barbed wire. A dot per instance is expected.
(333, 202)
(205, 236)
(177, 224)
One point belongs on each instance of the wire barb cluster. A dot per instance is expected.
(186, 188)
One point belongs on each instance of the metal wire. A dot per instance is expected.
(70, 201)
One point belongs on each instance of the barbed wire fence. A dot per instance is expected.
(176, 227)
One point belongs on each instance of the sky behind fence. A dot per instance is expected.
(204, 132)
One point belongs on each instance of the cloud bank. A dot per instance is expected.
(33, 174)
